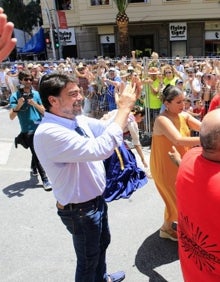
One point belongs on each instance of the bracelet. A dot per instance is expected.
(15, 111)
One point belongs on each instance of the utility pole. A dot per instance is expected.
(57, 28)
(52, 26)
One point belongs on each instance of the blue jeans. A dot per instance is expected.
(88, 224)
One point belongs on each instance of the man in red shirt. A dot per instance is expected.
(198, 203)
(215, 102)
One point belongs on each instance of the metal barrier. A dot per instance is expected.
(97, 101)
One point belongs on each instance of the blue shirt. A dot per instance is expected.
(73, 162)
(29, 117)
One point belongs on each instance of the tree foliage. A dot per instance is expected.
(23, 16)
(121, 5)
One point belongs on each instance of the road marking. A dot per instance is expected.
(5, 149)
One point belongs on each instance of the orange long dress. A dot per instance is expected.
(164, 171)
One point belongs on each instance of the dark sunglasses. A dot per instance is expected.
(168, 72)
(28, 79)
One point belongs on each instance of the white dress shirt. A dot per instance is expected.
(74, 163)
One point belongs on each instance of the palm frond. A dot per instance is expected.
(121, 5)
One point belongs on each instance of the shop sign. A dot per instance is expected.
(212, 35)
(178, 31)
(67, 36)
(107, 39)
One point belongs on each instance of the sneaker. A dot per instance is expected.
(34, 172)
(116, 277)
(47, 185)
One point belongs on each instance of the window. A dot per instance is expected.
(63, 4)
(138, 1)
(99, 2)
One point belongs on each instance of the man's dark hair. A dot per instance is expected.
(52, 85)
(23, 74)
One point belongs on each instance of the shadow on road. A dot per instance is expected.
(153, 253)
(17, 189)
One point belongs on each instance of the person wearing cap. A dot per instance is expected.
(180, 84)
(152, 99)
(178, 66)
(112, 81)
(46, 69)
(11, 79)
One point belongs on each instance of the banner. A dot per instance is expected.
(36, 44)
(62, 20)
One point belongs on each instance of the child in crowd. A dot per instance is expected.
(187, 106)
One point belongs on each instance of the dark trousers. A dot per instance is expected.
(29, 141)
(88, 224)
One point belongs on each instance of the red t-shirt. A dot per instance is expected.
(201, 112)
(198, 203)
(215, 103)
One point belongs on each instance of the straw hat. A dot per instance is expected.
(80, 66)
(153, 70)
(124, 73)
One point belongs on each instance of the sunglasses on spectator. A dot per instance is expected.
(167, 72)
(28, 79)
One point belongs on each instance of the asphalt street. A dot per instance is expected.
(35, 247)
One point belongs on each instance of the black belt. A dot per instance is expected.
(79, 205)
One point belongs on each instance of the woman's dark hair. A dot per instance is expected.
(170, 92)
(52, 85)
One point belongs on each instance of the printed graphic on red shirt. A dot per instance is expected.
(198, 246)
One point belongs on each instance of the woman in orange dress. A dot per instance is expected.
(171, 128)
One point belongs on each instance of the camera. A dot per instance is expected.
(26, 96)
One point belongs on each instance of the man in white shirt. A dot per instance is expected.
(72, 148)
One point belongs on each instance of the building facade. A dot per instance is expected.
(87, 28)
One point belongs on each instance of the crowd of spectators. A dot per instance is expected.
(101, 78)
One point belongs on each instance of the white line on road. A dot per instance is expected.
(5, 149)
